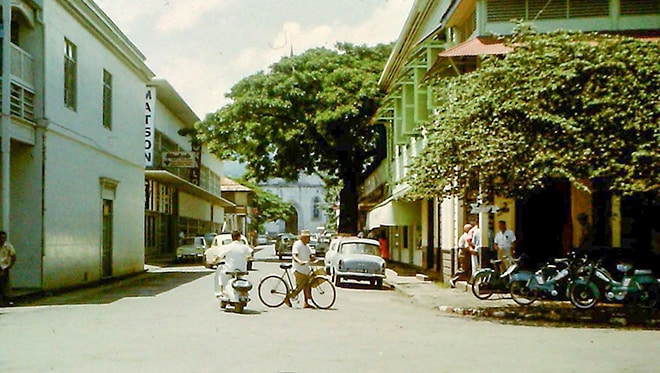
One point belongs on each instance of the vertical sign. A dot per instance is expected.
(149, 125)
(197, 171)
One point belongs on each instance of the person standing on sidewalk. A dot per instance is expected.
(475, 248)
(463, 256)
(301, 255)
(7, 260)
(505, 241)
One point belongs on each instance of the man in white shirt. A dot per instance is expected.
(505, 241)
(475, 248)
(301, 256)
(235, 256)
(7, 260)
(463, 256)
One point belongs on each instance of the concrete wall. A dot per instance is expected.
(80, 151)
(301, 195)
(193, 207)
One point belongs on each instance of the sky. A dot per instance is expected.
(203, 47)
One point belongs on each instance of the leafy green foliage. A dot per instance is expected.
(308, 113)
(571, 105)
(269, 207)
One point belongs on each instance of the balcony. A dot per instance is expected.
(22, 84)
(372, 188)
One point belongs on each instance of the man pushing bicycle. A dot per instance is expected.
(301, 257)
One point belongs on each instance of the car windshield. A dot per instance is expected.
(188, 241)
(360, 248)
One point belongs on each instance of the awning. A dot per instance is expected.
(391, 212)
(169, 178)
(478, 46)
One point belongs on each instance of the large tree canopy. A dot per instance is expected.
(571, 105)
(308, 113)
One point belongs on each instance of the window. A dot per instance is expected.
(316, 208)
(107, 100)
(70, 74)
(639, 7)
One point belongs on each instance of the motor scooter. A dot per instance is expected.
(236, 291)
(638, 286)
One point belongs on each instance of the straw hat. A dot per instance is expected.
(305, 233)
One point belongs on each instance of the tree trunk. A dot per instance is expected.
(348, 204)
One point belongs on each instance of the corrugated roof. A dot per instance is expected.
(229, 185)
(478, 46)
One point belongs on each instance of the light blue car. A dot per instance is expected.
(353, 258)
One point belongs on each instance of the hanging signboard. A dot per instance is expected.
(149, 125)
(180, 159)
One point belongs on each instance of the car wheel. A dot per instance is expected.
(336, 279)
(379, 283)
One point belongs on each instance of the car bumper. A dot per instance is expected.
(360, 275)
(188, 255)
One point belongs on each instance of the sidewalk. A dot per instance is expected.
(461, 302)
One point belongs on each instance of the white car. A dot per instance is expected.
(353, 258)
(219, 244)
(191, 248)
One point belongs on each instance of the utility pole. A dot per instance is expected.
(5, 145)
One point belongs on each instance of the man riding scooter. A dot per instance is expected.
(235, 257)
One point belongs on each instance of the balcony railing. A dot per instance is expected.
(375, 180)
(22, 83)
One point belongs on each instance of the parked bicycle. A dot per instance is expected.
(274, 289)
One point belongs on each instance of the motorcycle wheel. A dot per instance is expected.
(651, 297)
(478, 289)
(521, 294)
(582, 296)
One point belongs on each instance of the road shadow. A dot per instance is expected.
(148, 284)
(363, 286)
(246, 312)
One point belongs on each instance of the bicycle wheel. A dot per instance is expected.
(521, 293)
(323, 292)
(481, 287)
(273, 291)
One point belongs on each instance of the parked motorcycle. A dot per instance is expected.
(640, 288)
(549, 282)
(236, 291)
(487, 281)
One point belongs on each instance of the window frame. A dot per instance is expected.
(107, 100)
(70, 74)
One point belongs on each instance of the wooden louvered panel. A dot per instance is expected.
(505, 10)
(553, 10)
(639, 7)
(588, 8)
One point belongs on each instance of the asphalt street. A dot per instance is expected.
(169, 321)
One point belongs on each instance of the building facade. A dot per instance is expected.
(183, 181)
(445, 38)
(72, 144)
(307, 196)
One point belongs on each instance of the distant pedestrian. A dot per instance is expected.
(475, 248)
(505, 241)
(463, 257)
(384, 249)
(7, 260)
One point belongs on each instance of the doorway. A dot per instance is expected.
(107, 238)
(291, 224)
(543, 222)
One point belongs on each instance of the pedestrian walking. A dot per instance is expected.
(463, 257)
(504, 244)
(384, 248)
(7, 260)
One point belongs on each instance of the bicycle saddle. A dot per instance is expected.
(286, 266)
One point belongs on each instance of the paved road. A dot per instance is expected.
(170, 322)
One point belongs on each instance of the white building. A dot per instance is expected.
(183, 182)
(307, 197)
(73, 146)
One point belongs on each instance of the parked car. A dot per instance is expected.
(219, 244)
(323, 243)
(209, 239)
(191, 248)
(284, 244)
(354, 258)
(263, 239)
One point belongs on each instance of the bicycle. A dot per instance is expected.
(274, 289)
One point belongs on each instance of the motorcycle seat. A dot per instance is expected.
(495, 261)
(286, 266)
